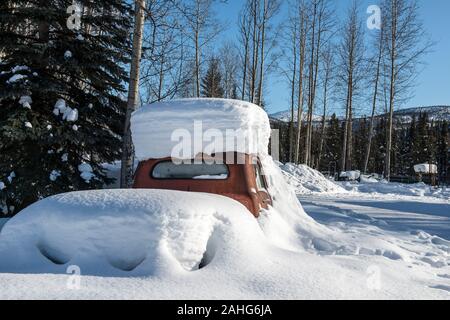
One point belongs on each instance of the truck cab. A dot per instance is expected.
(243, 181)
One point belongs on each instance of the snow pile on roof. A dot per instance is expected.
(307, 180)
(199, 126)
(426, 168)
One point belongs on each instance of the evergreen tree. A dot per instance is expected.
(421, 141)
(376, 162)
(443, 148)
(61, 113)
(212, 82)
(333, 146)
(361, 137)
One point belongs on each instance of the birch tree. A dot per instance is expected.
(133, 93)
(201, 28)
(406, 44)
(320, 24)
(351, 56)
(376, 83)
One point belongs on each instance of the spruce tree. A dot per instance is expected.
(421, 146)
(61, 110)
(443, 148)
(212, 82)
(333, 146)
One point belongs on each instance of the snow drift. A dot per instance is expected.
(206, 126)
(307, 180)
(116, 232)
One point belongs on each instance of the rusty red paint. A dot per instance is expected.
(240, 185)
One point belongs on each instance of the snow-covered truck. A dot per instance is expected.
(204, 145)
(147, 230)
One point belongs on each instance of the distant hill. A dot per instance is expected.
(436, 113)
(285, 116)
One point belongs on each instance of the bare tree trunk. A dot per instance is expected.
(300, 84)
(324, 115)
(392, 90)
(244, 78)
(292, 122)
(256, 42)
(263, 42)
(310, 87)
(350, 132)
(197, 65)
(345, 136)
(374, 104)
(133, 91)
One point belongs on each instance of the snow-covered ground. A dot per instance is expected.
(173, 245)
(2, 222)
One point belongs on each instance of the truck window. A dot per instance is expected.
(191, 171)
(260, 182)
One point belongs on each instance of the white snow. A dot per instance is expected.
(68, 114)
(20, 68)
(28, 125)
(3, 221)
(203, 125)
(2, 186)
(86, 172)
(16, 78)
(67, 55)
(149, 244)
(382, 188)
(54, 175)
(306, 180)
(11, 176)
(211, 177)
(65, 157)
(75, 127)
(26, 102)
(351, 175)
(426, 168)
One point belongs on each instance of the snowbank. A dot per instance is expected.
(117, 232)
(3, 222)
(350, 175)
(153, 244)
(185, 128)
(397, 189)
(307, 180)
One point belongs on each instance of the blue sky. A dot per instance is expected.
(433, 83)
